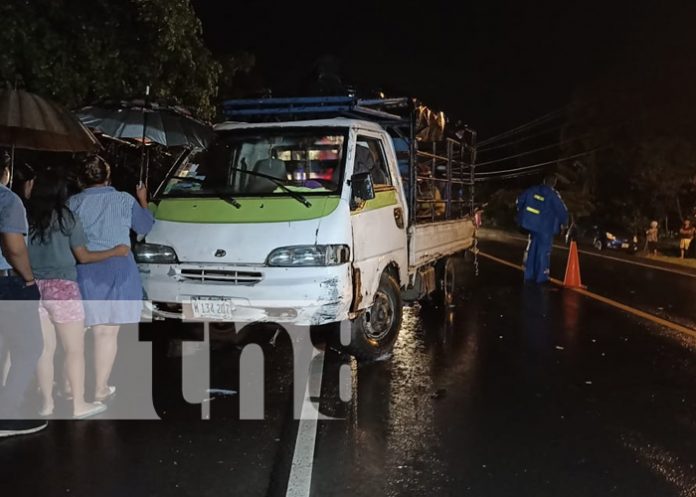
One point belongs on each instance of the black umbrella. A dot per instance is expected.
(143, 121)
(28, 121)
(168, 126)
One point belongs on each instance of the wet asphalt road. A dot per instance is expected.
(666, 291)
(515, 392)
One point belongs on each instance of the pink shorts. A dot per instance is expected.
(61, 301)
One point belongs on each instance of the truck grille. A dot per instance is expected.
(231, 277)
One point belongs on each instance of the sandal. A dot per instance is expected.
(97, 408)
(108, 397)
(64, 394)
(45, 413)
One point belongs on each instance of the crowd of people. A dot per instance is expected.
(687, 232)
(66, 266)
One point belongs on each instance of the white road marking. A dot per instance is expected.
(632, 310)
(300, 481)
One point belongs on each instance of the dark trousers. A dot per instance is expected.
(537, 257)
(20, 330)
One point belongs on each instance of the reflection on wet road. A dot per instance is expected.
(532, 392)
(669, 293)
(516, 390)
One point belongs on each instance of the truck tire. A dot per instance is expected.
(447, 282)
(375, 331)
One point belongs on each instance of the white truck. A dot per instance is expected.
(304, 212)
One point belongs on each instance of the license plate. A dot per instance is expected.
(214, 308)
(624, 245)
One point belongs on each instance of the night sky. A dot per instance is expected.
(491, 63)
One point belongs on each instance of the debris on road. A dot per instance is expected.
(272, 341)
(221, 392)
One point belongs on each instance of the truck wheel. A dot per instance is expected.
(447, 283)
(375, 331)
(445, 280)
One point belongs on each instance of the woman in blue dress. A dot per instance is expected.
(111, 289)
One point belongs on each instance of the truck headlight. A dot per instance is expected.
(151, 253)
(309, 255)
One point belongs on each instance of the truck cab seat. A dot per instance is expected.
(270, 167)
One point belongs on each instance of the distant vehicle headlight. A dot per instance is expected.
(151, 253)
(309, 255)
(609, 236)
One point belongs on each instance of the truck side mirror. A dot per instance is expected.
(361, 189)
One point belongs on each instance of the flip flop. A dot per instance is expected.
(45, 413)
(97, 408)
(65, 395)
(108, 397)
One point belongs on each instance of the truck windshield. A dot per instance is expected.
(269, 161)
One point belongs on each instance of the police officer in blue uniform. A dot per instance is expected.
(541, 212)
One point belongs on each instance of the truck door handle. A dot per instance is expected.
(399, 217)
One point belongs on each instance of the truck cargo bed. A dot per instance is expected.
(432, 241)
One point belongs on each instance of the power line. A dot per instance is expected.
(519, 140)
(534, 166)
(539, 149)
(508, 176)
(522, 154)
(523, 127)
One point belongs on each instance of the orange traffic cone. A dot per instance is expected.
(572, 275)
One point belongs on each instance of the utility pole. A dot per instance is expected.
(471, 134)
(472, 169)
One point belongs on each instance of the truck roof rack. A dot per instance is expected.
(390, 111)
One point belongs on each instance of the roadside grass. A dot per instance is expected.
(671, 260)
(665, 247)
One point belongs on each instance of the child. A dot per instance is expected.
(56, 242)
(651, 238)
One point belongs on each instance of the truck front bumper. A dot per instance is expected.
(301, 296)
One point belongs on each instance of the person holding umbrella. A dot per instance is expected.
(27, 121)
(19, 298)
(111, 289)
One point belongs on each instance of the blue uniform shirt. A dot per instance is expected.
(13, 217)
(108, 215)
(541, 210)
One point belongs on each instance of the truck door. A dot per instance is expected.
(379, 225)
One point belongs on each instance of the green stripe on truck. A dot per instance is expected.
(252, 210)
(383, 198)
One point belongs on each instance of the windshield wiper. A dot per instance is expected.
(293, 194)
(230, 200)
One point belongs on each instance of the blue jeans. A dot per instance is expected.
(20, 330)
(537, 259)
